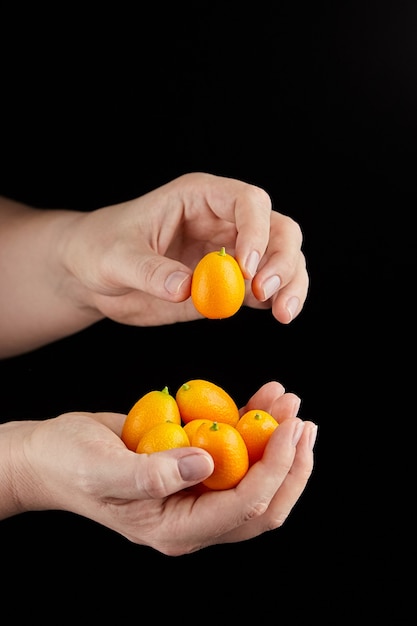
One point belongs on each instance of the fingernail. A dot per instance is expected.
(175, 281)
(195, 467)
(298, 432)
(292, 306)
(312, 436)
(270, 286)
(296, 407)
(252, 262)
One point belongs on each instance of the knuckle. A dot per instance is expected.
(256, 509)
(148, 267)
(153, 482)
(296, 229)
(277, 521)
(260, 197)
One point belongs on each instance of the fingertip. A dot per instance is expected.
(285, 311)
(312, 430)
(292, 306)
(178, 282)
(195, 467)
(298, 431)
(252, 263)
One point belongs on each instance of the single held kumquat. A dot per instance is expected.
(151, 409)
(256, 426)
(203, 399)
(217, 285)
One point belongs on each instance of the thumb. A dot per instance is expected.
(161, 474)
(159, 276)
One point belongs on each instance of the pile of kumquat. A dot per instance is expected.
(200, 414)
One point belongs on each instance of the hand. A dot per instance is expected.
(77, 462)
(129, 257)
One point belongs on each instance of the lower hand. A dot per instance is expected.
(77, 462)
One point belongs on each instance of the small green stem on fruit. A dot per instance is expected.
(186, 386)
(214, 426)
(165, 390)
(222, 251)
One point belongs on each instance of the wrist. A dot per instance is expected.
(72, 270)
(18, 488)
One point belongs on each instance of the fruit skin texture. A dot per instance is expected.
(163, 436)
(151, 409)
(218, 285)
(256, 426)
(191, 426)
(229, 453)
(203, 399)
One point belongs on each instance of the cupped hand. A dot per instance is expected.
(77, 462)
(129, 257)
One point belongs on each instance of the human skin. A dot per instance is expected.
(78, 463)
(64, 270)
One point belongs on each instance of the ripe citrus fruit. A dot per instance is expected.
(163, 436)
(203, 399)
(191, 426)
(151, 409)
(217, 285)
(256, 427)
(229, 453)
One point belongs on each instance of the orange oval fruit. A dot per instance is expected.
(151, 409)
(256, 426)
(217, 285)
(203, 399)
(228, 450)
(163, 436)
(191, 426)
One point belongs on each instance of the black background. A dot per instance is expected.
(315, 102)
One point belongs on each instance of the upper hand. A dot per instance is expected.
(127, 258)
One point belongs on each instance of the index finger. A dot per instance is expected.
(253, 212)
(245, 205)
